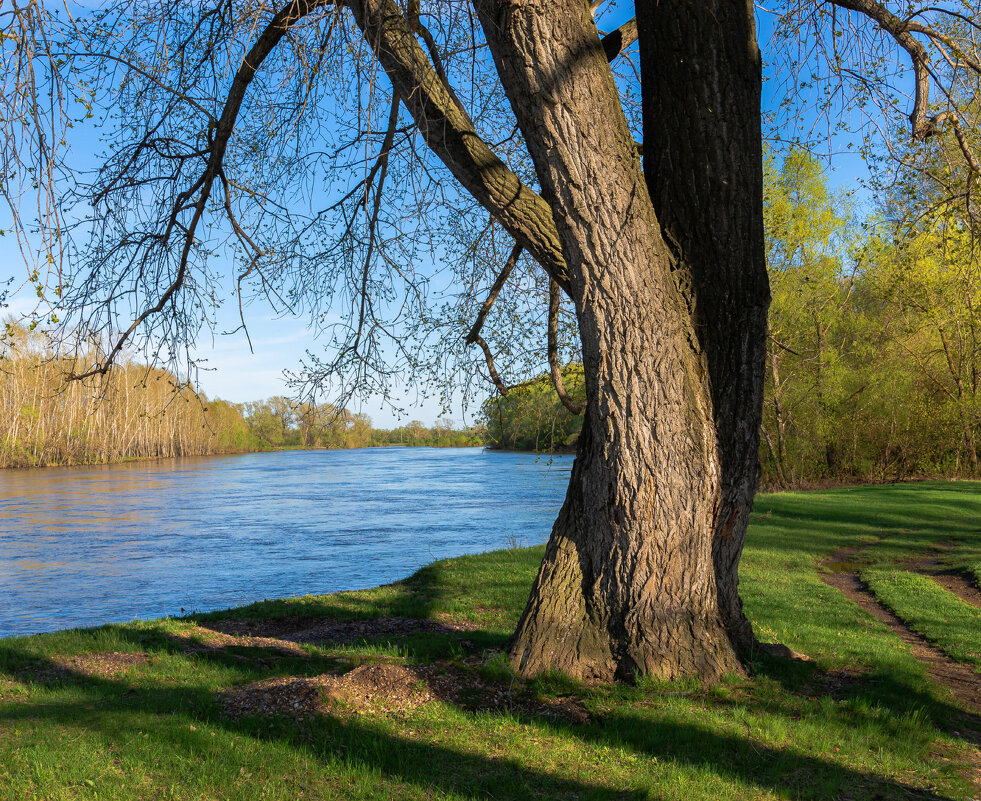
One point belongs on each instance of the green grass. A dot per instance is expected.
(930, 610)
(860, 721)
(967, 558)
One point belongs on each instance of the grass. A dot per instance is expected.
(860, 721)
(930, 610)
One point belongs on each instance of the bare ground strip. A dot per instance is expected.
(962, 681)
(954, 581)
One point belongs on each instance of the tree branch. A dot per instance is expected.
(615, 42)
(264, 45)
(492, 295)
(902, 32)
(474, 335)
(553, 350)
(899, 29)
(451, 135)
(501, 386)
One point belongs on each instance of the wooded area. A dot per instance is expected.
(874, 351)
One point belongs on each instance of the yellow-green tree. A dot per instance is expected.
(810, 239)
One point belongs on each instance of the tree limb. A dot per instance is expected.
(501, 386)
(902, 32)
(474, 335)
(615, 42)
(492, 295)
(451, 135)
(222, 131)
(553, 350)
(899, 29)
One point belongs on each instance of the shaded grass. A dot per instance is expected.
(861, 721)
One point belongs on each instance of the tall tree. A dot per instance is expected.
(810, 238)
(662, 265)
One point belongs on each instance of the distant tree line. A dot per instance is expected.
(139, 412)
(531, 417)
(134, 412)
(874, 359)
(441, 435)
(873, 366)
(280, 422)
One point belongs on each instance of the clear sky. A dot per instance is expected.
(230, 370)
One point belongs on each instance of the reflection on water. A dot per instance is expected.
(83, 546)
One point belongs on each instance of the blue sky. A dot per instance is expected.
(230, 370)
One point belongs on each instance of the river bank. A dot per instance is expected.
(402, 690)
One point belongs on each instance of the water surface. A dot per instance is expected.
(89, 545)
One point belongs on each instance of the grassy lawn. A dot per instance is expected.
(859, 721)
(931, 611)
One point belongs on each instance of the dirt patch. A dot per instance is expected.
(955, 581)
(962, 681)
(100, 665)
(389, 689)
(374, 688)
(199, 639)
(466, 689)
(836, 683)
(319, 631)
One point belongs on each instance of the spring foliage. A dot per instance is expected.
(874, 358)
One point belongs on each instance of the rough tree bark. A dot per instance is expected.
(632, 574)
(703, 153)
(640, 572)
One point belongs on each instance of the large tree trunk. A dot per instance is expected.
(628, 584)
(701, 77)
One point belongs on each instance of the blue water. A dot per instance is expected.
(85, 546)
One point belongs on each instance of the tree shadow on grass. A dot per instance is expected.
(684, 744)
(875, 695)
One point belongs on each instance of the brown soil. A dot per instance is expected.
(951, 580)
(835, 683)
(963, 682)
(337, 632)
(100, 665)
(380, 688)
(374, 688)
(289, 635)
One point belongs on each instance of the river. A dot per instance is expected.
(82, 546)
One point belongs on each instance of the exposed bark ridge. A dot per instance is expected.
(450, 133)
(701, 71)
(552, 345)
(627, 585)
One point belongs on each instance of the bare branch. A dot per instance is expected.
(222, 131)
(969, 156)
(492, 295)
(451, 135)
(615, 42)
(501, 386)
(554, 298)
(899, 29)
